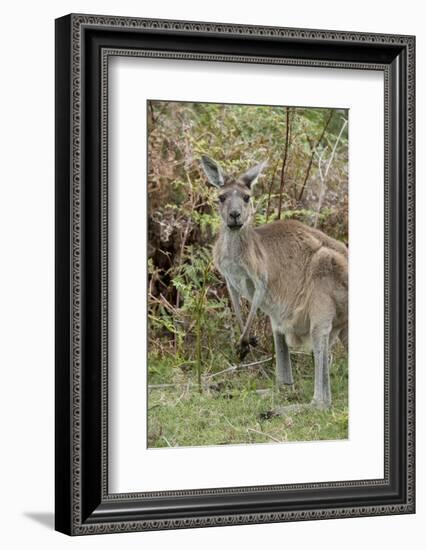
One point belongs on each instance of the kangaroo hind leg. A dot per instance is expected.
(322, 315)
(283, 368)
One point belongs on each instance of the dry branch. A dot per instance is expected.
(314, 149)
(233, 368)
(286, 147)
(264, 434)
(323, 175)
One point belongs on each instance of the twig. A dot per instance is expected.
(164, 302)
(323, 175)
(166, 440)
(345, 122)
(232, 426)
(313, 154)
(264, 391)
(190, 384)
(185, 391)
(233, 368)
(265, 374)
(265, 434)
(268, 204)
(286, 147)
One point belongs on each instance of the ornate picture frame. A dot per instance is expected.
(84, 45)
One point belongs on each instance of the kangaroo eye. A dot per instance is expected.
(222, 198)
(246, 198)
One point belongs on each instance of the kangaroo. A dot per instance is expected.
(295, 274)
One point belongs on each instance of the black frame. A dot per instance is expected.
(83, 46)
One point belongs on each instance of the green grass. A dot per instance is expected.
(232, 406)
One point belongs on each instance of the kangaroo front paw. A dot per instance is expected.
(253, 341)
(243, 348)
(244, 345)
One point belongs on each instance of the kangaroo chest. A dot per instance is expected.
(238, 276)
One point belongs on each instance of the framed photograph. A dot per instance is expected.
(234, 274)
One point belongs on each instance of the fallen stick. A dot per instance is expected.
(265, 434)
(233, 368)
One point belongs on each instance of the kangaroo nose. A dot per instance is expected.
(234, 214)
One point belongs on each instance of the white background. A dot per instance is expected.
(132, 81)
(26, 288)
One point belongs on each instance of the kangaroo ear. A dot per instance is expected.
(250, 177)
(213, 171)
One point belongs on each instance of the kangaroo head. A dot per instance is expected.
(234, 194)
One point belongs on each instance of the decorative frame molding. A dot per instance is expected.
(84, 44)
